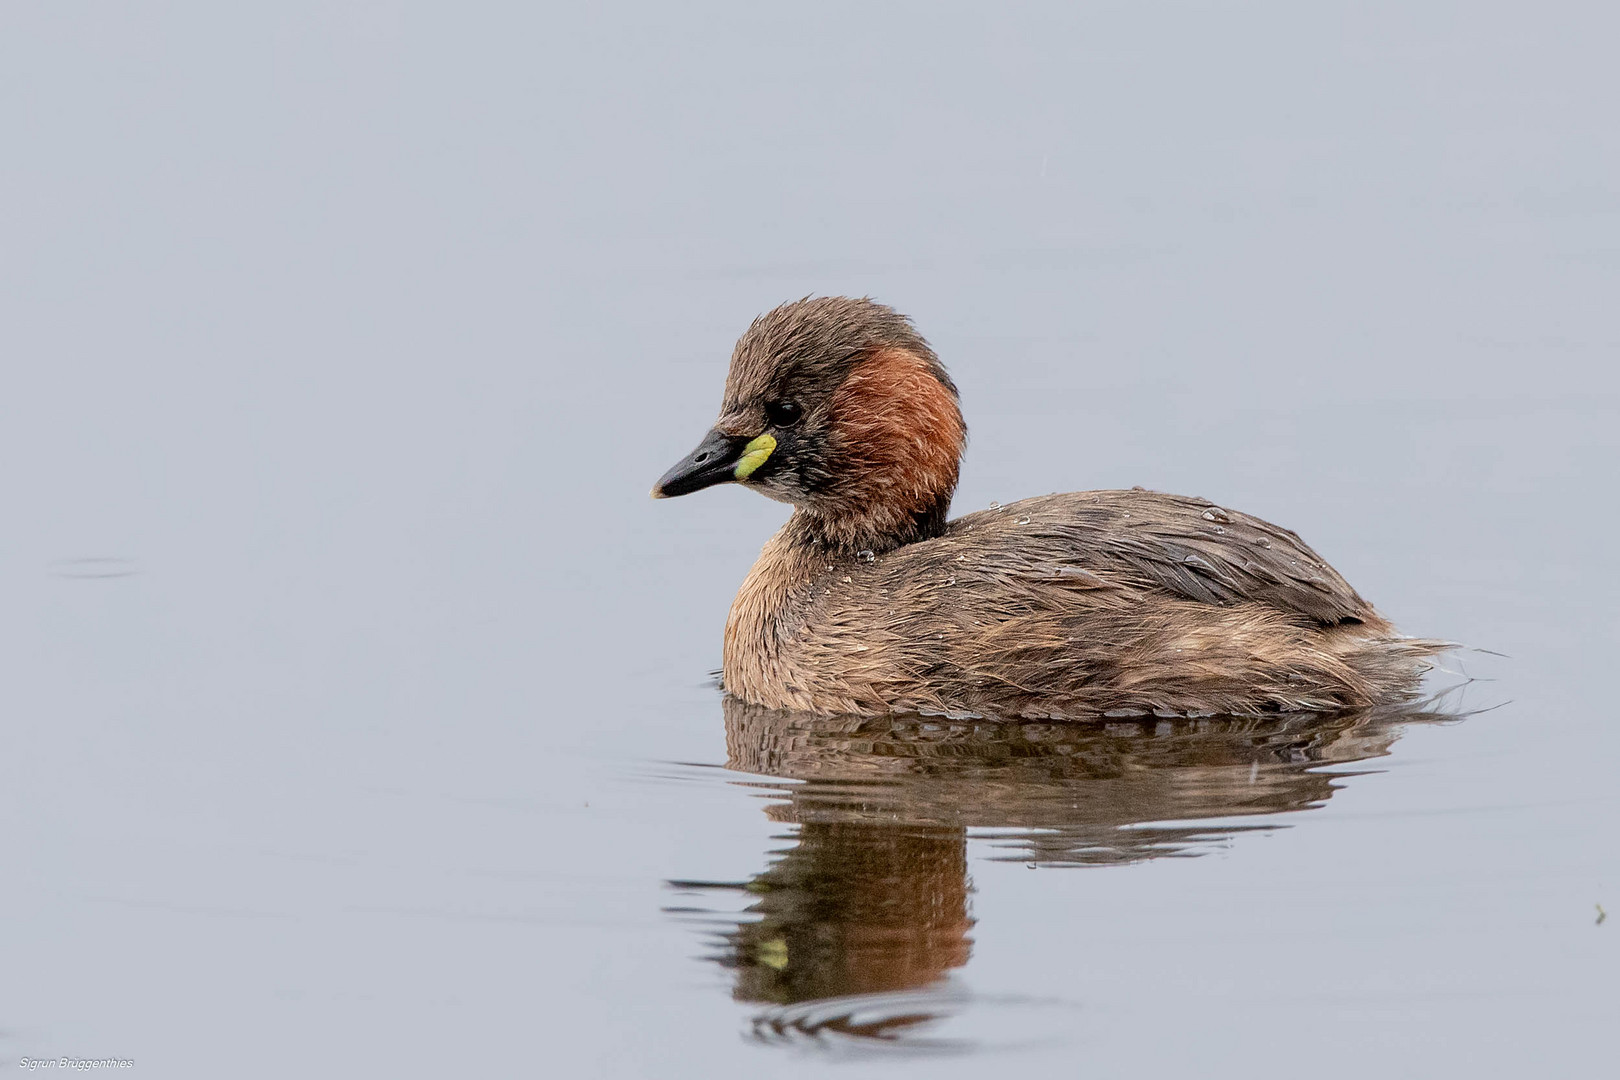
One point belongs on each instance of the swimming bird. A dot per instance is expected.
(1093, 603)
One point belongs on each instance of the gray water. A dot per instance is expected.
(358, 717)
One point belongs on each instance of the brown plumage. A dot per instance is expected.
(1063, 606)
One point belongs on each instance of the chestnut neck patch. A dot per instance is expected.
(897, 441)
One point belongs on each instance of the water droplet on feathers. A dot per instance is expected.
(995, 505)
(866, 555)
(1215, 513)
(1024, 520)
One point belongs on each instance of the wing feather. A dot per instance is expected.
(1188, 547)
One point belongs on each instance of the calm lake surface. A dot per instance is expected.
(358, 710)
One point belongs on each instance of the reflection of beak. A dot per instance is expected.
(718, 459)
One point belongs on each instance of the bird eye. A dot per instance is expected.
(783, 413)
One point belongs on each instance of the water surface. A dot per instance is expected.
(357, 709)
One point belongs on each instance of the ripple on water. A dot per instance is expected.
(944, 1019)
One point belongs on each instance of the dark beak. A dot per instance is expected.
(713, 462)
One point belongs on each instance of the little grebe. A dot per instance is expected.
(1063, 606)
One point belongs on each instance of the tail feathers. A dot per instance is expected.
(1392, 669)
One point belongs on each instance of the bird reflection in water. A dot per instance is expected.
(851, 932)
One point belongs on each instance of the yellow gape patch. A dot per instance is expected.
(754, 455)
